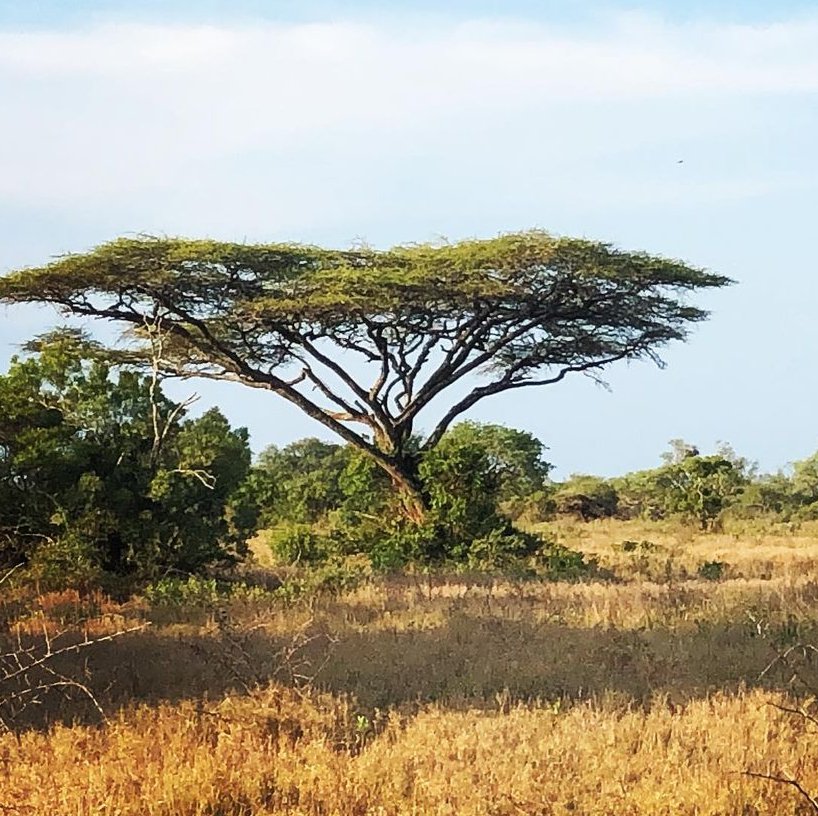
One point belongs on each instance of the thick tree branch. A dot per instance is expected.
(238, 370)
(455, 367)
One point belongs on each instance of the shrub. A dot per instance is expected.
(71, 560)
(502, 549)
(586, 498)
(712, 570)
(340, 574)
(561, 563)
(189, 590)
(293, 543)
(101, 474)
(345, 504)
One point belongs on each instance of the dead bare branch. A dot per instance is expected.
(10, 572)
(785, 780)
(27, 673)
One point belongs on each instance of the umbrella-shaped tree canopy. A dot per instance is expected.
(365, 340)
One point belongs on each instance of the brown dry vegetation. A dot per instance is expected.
(452, 695)
(674, 551)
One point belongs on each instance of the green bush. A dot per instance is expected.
(502, 550)
(340, 574)
(690, 486)
(712, 570)
(560, 563)
(586, 498)
(188, 590)
(294, 543)
(102, 475)
(325, 500)
(69, 560)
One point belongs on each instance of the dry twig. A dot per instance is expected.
(785, 780)
(27, 673)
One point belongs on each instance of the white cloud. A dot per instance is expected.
(328, 132)
(110, 50)
(118, 111)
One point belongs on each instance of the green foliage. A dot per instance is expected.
(586, 498)
(519, 310)
(712, 570)
(71, 559)
(462, 487)
(339, 574)
(699, 487)
(523, 554)
(695, 488)
(330, 501)
(86, 488)
(767, 496)
(465, 478)
(792, 497)
(640, 495)
(297, 543)
(309, 479)
(688, 485)
(300, 482)
(202, 591)
(804, 488)
(201, 515)
(562, 563)
(325, 499)
(515, 457)
(190, 590)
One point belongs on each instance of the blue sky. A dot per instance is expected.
(40, 13)
(329, 122)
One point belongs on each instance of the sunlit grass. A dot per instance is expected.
(277, 752)
(461, 694)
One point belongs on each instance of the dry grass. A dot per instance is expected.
(452, 695)
(673, 551)
(276, 752)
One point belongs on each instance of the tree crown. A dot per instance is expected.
(522, 309)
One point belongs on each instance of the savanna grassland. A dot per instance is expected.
(655, 687)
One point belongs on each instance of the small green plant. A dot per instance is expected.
(188, 591)
(712, 570)
(561, 563)
(340, 574)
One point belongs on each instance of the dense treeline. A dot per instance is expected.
(102, 475)
(705, 490)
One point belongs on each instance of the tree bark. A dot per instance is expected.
(413, 499)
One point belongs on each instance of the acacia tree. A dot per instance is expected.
(365, 341)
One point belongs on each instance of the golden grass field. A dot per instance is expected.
(640, 694)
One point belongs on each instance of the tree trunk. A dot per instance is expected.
(414, 502)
